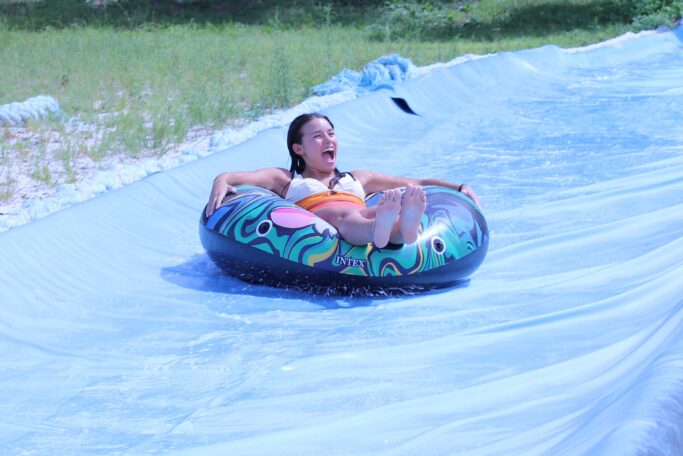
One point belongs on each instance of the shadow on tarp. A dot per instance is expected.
(201, 274)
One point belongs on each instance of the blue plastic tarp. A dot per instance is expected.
(119, 336)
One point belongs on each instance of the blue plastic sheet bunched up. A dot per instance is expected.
(120, 336)
(380, 73)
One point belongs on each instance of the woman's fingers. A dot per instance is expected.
(212, 205)
(217, 200)
(217, 197)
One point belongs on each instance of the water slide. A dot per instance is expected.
(119, 336)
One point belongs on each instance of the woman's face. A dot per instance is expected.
(318, 146)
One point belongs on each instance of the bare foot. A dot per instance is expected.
(412, 208)
(387, 211)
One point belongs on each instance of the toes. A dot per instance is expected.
(413, 191)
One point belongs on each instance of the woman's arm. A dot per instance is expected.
(273, 179)
(376, 182)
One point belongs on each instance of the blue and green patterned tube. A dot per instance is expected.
(260, 237)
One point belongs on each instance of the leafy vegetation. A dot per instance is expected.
(499, 20)
(421, 19)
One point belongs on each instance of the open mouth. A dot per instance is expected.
(328, 154)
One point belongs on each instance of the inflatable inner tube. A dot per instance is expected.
(261, 238)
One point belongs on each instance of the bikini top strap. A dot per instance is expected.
(335, 179)
(339, 176)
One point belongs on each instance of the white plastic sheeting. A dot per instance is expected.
(35, 108)
(119, 336)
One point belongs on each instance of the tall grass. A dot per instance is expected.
(147, 87)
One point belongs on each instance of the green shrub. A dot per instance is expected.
(492, 19)
(651, 14)
(411, 19)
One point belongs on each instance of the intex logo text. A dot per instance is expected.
(354, 262)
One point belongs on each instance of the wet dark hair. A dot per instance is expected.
(294, 137)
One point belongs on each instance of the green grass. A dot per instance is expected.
(165, 80)
(143, 73)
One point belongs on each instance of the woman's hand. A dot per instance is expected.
(468, 191)
(220, 189)
(273, 179)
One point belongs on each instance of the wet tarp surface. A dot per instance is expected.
(119, 336)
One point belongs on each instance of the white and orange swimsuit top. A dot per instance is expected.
(302, 187)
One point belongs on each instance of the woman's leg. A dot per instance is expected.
(386, 213)
(376, 224)
(406, 229)
(412, 209)
(394, 219)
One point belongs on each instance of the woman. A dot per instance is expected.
(314, 183)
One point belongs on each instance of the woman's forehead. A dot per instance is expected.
(317, 124)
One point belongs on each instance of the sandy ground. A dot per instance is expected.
(35, 161)
(48, 166)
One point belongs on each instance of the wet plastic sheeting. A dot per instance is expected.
(119, 336)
